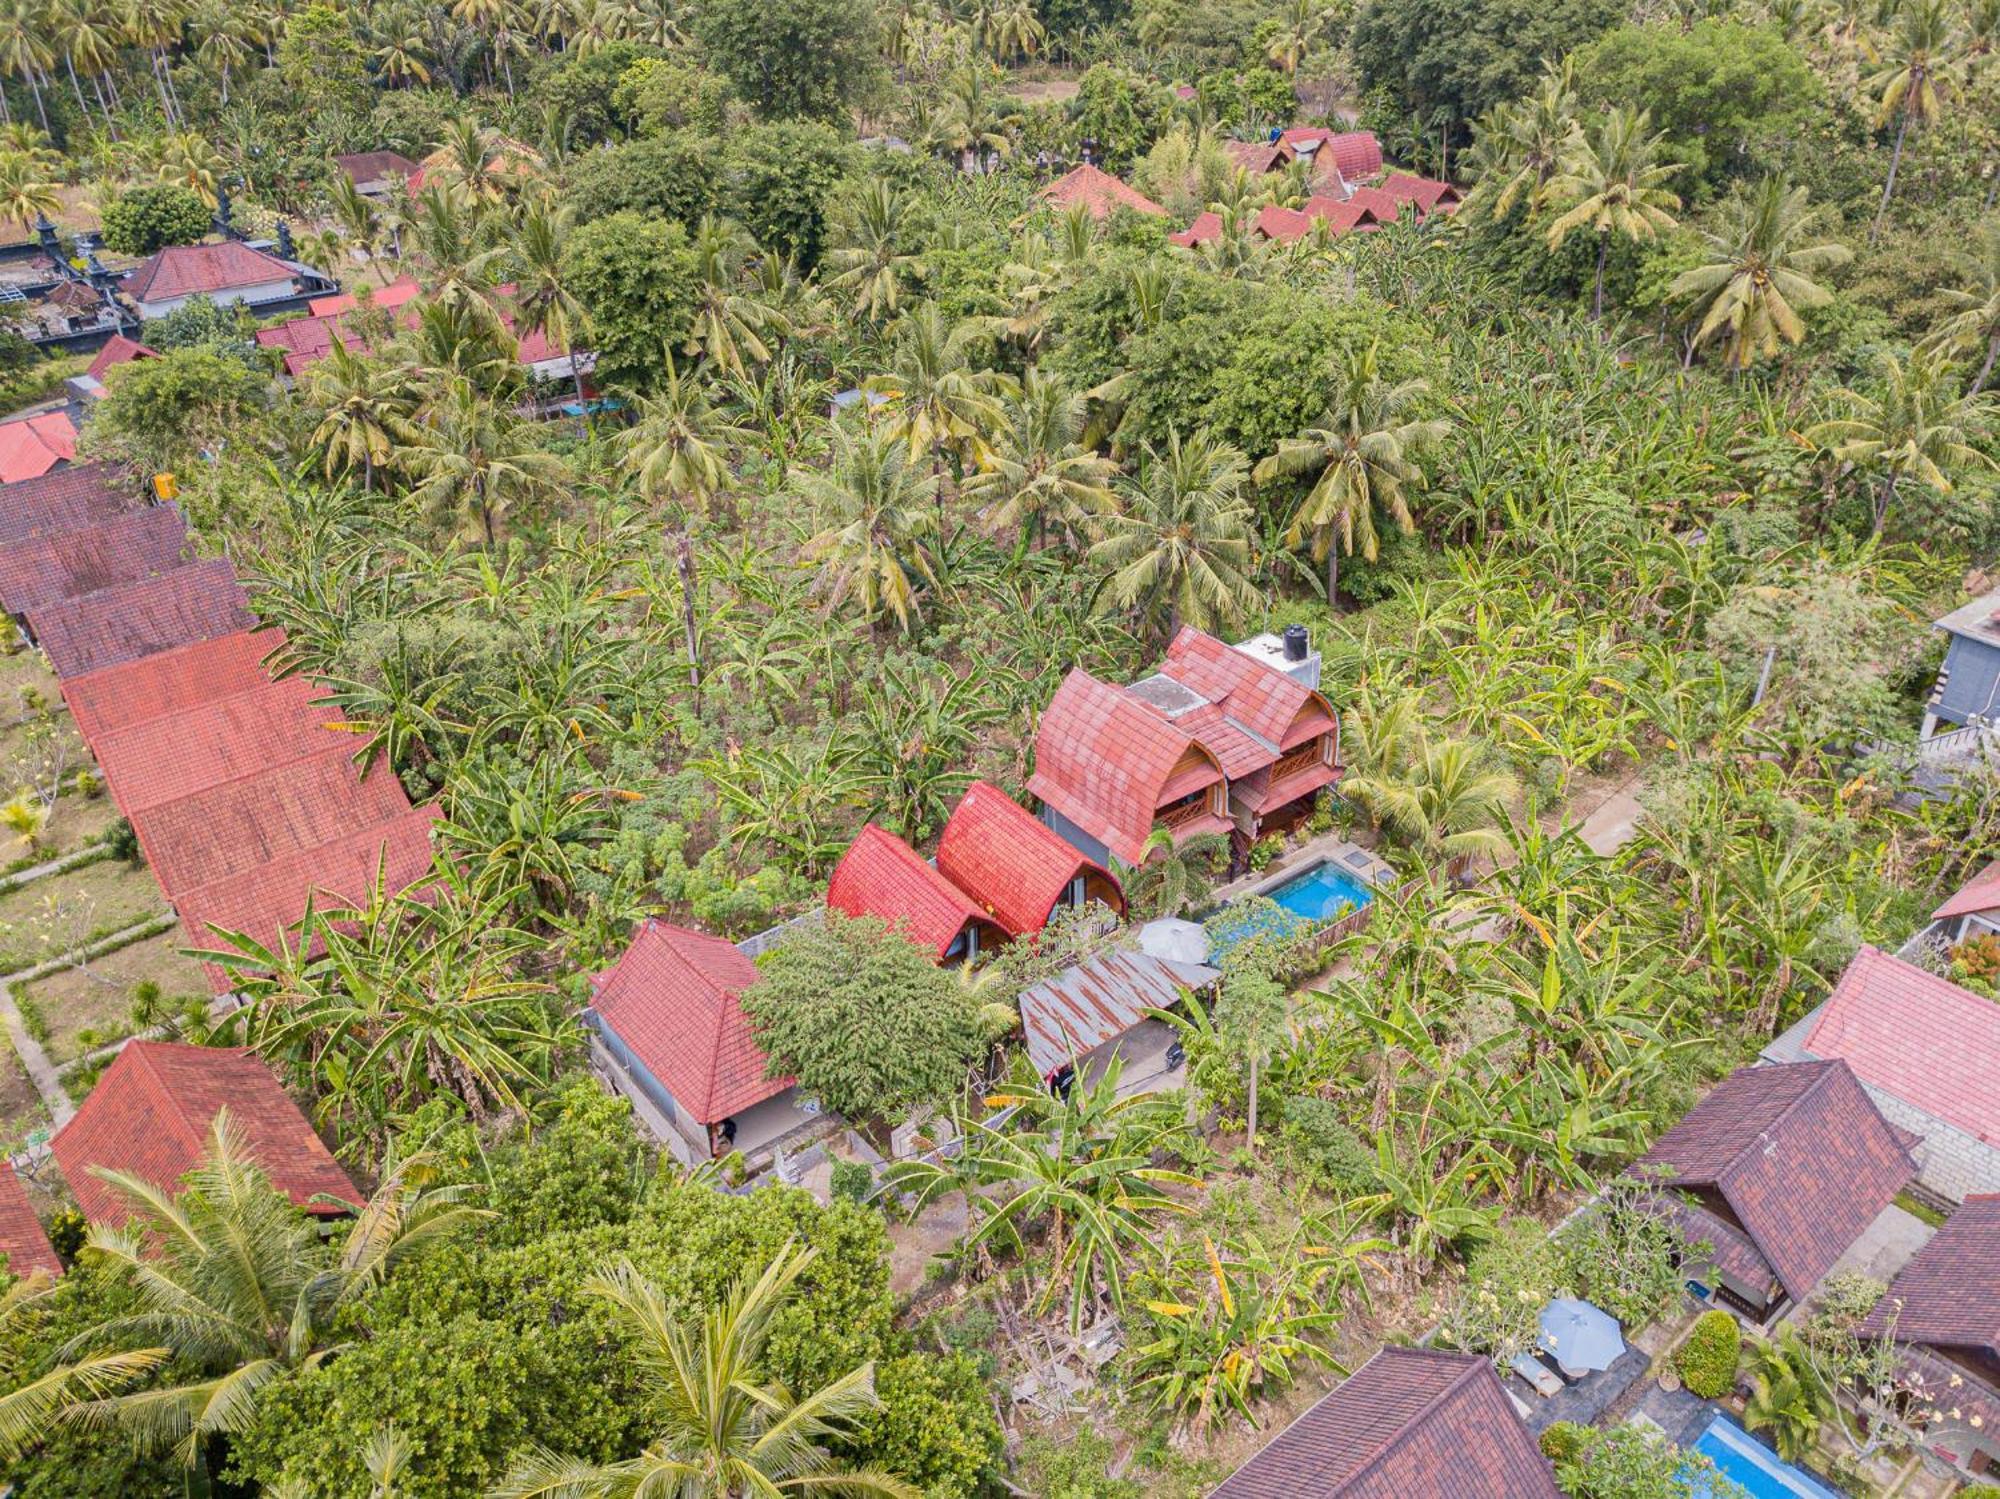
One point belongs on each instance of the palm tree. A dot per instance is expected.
(725, 1430)
(868, 258)
(1038, 472)
(1301, 27)
(1759, 276)
(1171, 876)
(1977, 320)
(1015, 30)
(1520, 146)
(1182, 544)
(1915, 426)
(88, 36)
(233, 1293)
(544, 301)
(1614, 183)
(1364, 452)
(474, 461)
(24, 49)
(933, 398)
(875, 508)
(1911, 84)
(1443, 804)
(731, 324)
(26, 194)
(366, 407)
(223, 45)
(401, 55)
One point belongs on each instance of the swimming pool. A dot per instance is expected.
(1753, 1467)
(1319, 893)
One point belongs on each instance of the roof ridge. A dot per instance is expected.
(169, 1104)
(1737, 1160)
(712, 1015)
(1430, 1407)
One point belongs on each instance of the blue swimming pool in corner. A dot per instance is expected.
(1753, 1467)
(1319, 893)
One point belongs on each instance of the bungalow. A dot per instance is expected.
(1098, 191)
(1426, 194)
(1943, 1311)
(1017, 870)
(31, 446)
(24, 1247)
(1219, 739)
(225, 273)
(1356, 154)
(1411, 1423)
(1928, 1053)
(1779, 1170)
(1289, 225)
(1381, 207)
(882, 876)
(1967, 693)
(118, 350)
(151, 1114)
(376, 174)
(1973, 910)
(668, 1020)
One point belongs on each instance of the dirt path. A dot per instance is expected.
(912, 1246)
(1611, 826)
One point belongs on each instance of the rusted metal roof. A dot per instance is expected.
(1083, 1007)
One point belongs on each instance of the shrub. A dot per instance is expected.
(1508, 1281)
(1707, 1360)
(1563, 1441)
(123, 842)
(852, 1180)
(1980, 1491)
(67, 1231)
(1324, 1147)
(146, 218)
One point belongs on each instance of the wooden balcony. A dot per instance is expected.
(1308, 756)
(1173, 819)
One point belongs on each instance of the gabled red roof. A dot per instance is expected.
(1426, 192)
(882, 876)
(1206, 226)
(1412, 1423)
(129, 620)
(1948, 1295)
(81, 495)
(1104, 761)
(150, 1116)
(674, 997)
(224, 739)
(1285, 225)
(1099, 191)
(1344, 216)
(184, 270)
(373, 166)
(1381, 207)
(1007, 861)
(22, 1241)
(1356, 152)
(46, 569)
(31, 446)
(103, 702)
(1262, 699)
(1801, 1156)
(1916, 1037)
(388, 298)
(120, 350)
(232, 828)
(1980, 893)
(1255, 157)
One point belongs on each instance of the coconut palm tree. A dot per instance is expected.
(1172, 877)
(232, 1294)
(725, 1429)
(1915, 425)
(869, 258)
(1015, 30)
(26, 193)
(1911, 84)
(1038, 473)
(1181, 546)
(473, 461)
(1444, 804)
(1614, 183)
(365, 406)
(932, 396)
(1364, 454)
(875, 508)
(733, 324)
(1299, 30)
(1520, 146)
(1758, 276)
(1976, 322)
(25, 50)
(87, 34)
(544, 301)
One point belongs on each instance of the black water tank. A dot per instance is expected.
(1295, 642)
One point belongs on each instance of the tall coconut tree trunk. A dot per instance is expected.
(1986, 370)
(1884, 497)
(1889, 187)
(82, 105)
(1250, 1137)
(684, 565)
(1333, 576)
(1597, 293)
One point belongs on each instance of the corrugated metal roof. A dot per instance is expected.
(1083, 1007)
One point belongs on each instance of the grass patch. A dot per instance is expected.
(90, 1008)
(92, 902)
(1923, 1212)
(21, 1107)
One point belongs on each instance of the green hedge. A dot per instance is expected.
(1707, 1360)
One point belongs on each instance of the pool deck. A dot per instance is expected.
(1329, 848)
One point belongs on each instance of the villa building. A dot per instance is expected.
(1967, 694)
(882, 876)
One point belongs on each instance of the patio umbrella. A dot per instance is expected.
(1579, 1336)
(1175, 940)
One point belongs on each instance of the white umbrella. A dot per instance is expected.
(1579, 1335)
(1175, 940)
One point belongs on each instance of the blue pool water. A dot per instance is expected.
(1753, 1467)
(1321, 892)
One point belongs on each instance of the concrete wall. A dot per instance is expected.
(269, 291)
(1077, 838)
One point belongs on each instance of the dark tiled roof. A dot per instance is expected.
(1410, 1424)
(1426, 192)
(103, 702)
(150, 1115)
(1948, 1295)
(83, 494)
(674, 998)
(63, 564)
(882, 876)
(1801, 1156)
(22, 1240)
(1007, 861)
(373, 166)
(130, 620)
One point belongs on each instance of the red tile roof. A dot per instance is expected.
(1412, 1423)
(1800, 1155)
(63, 564)
(31, 446)
(103, 702)
(24, 1245)
(1948, 1295)
(1381, 207)
(232, 828)
(1980, 893)
(81, 495)
(1916, 1037)
(120, 350)
(150, 1116)
(1426, 192)
(223, 739)
(1285, 225)
(674, 998)
(388, 298)
(183, 270)
(1015, 868)
(1255, 157)
(1344, 216)
(1206, 226)
(882, 876)
(372, 166)
(1260, 698)
(1104, 761)
(130, 620)
(1099, 191)
(1356, 152)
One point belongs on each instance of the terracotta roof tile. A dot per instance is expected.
(31, 446)
(1260, 698)
(150, 1115)
(1948, 1295)
(674, 998)
(47, 569)
(1917, 1037)
(1011, 865)
(1345, 217)
(1381, 207)
(23, 1243)
(1206, 227)
(882, 876)
(1411, 1423)
(223, 739)
(1255, 157)
(1099, 191)
(130, 620)
(103, 702)
(1801, 1155)
(120, 350)
(1286, 225)
(1356, 153)
(1425, 192)
(84, 494)
(372, 166)
(1980, 893)
(183, 270)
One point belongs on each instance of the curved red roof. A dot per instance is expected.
(1006, 860)
(882, 876)
(675, 999)
(1356, 152)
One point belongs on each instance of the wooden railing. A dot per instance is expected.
(1305, 757)
(1176, 818)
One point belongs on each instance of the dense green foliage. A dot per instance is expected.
(143, 219)
(1707, 1360)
